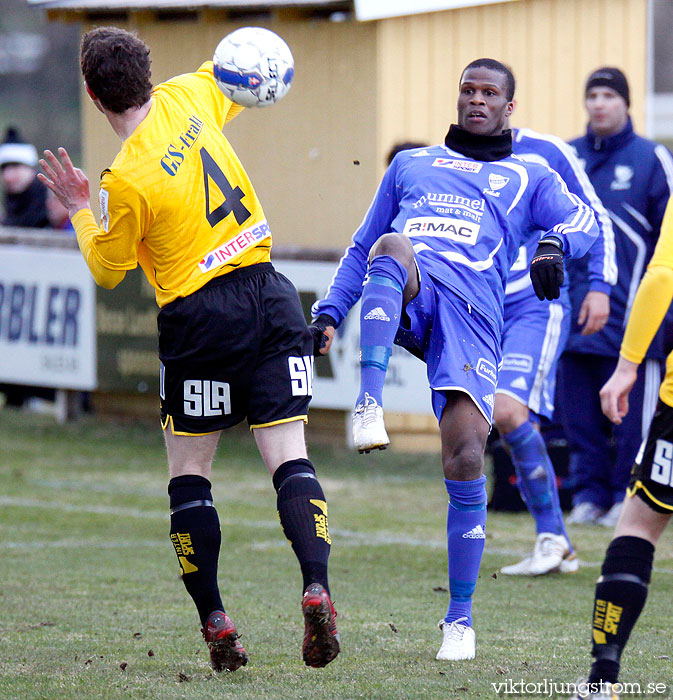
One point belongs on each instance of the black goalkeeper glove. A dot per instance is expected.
(317, 331)
(546, 269)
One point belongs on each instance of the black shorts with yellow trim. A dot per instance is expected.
(238, 348)
(652, 474)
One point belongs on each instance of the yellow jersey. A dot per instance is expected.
(652, 301)
(176, 199)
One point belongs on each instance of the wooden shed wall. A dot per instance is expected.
(550, 45)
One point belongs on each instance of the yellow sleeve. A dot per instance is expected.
(203, 85)
(654, 295)
(234, 111)
(125, 218)
(86, 229)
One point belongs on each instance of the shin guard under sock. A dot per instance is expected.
(302, 510)
(465, 523)
(380, 311)
(621, 592)
(195, 534)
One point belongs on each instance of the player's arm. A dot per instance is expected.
(202, 89)
(111, 248)
(71, 187)
(602, 265)
(224, 109)
(346, 286)
(570, 230)
(650, 305)
(86, 230)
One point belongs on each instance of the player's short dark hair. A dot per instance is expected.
(492, 64)
(402, 146)
(116, 66)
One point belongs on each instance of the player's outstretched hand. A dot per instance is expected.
(615, 392)
(546, 271)
(322, 330)
(68, 183)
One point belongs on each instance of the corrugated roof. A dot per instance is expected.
(174, 4)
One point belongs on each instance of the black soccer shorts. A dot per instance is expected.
(652, 473)
(237, 348)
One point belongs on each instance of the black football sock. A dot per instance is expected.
(303, 514)
(621, 591)
(195, 533)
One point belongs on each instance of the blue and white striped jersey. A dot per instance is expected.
(551, 151)
(466, 220)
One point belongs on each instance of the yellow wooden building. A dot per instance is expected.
(360, 86)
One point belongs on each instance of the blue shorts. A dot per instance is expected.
(534, 337)
(459, 346)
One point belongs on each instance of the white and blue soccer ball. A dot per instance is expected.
(253, 67)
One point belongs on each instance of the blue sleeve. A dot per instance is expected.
(602, 264)
(661, 187)
(346, 286)
(560, 213)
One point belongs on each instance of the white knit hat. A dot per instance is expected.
(14, 150)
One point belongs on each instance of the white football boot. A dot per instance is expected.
(584, 514)
(551, 554)
(612, 516)
(459, 641)
(369, 430)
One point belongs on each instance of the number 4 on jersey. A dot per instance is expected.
(232, 195)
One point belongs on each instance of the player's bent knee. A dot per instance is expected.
(396, 245)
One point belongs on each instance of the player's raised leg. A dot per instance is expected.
(195, 534)
(387, 288)
(302, 510)
(463, 432)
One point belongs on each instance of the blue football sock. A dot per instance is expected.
(465, 534)
(536, 478)
(380, 312)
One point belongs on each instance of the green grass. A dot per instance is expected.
(88, 581)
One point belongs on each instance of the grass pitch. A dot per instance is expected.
(91, 605)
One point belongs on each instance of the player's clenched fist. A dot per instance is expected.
(322, 330)
(546, 269)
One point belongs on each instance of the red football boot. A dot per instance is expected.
(226, 651)
(321, 639)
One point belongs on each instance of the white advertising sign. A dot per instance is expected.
(379, 9)
(47, 318)
(406, 388)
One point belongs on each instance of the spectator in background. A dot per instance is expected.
(633, 178)
(25, 196)
(24, 206)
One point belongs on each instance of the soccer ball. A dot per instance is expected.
(253, 67)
